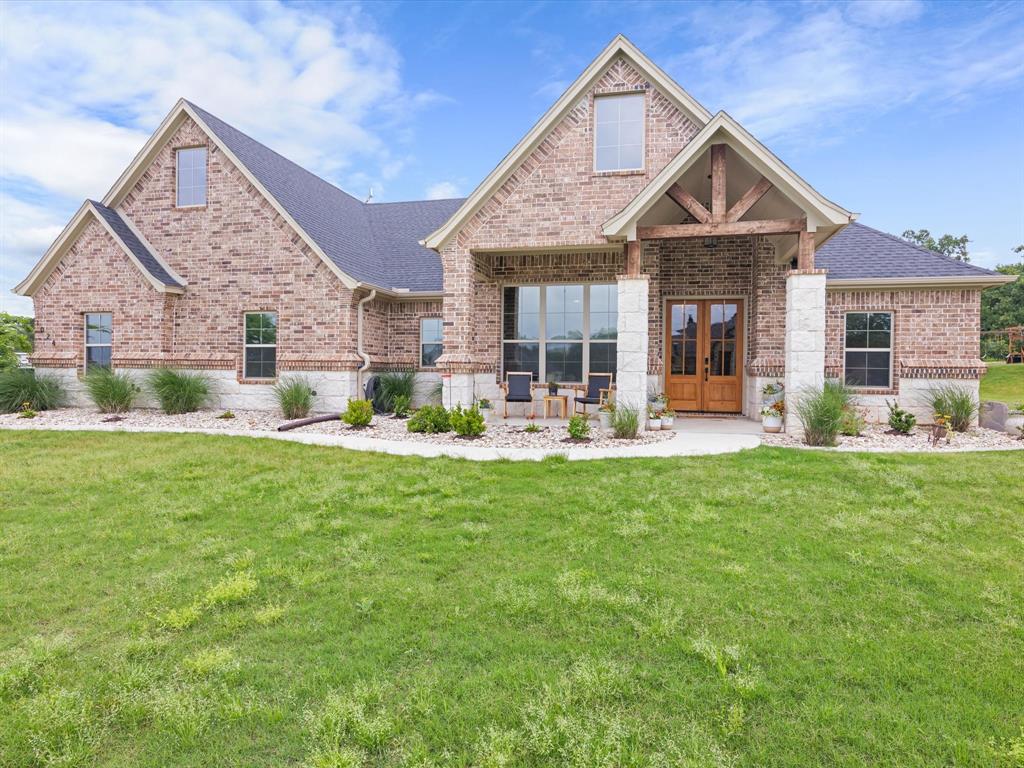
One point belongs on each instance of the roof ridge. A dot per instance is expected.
(929, 251)
(406, 202)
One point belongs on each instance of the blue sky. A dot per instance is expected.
(910, 113)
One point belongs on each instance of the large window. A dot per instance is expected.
(560, 331)
(431, 341)
(191, 176)
(99, 328)
(260, 345)
(868, 352)
(619, 132)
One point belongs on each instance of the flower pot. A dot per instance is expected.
(552, 389)
(771, 423)
(667, 422)
(486, 413)
(767, 400)
(605, 419)
(1014, 424)
(654, 424)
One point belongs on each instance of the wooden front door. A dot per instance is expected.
(705, 343)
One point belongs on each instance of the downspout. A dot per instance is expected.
(359, 342)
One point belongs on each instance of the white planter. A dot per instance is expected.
(605, 419)
(486, 413)
(771, 423)
(667, 422)
(654, 424)
(1014, 423)
(769, 399)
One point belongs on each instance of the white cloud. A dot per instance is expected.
(26, 231)
(881, 13)
(442, 190)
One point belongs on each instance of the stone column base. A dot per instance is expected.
(805, 338)
(631, 358)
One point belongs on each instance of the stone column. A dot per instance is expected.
(631, 358)
(805, 337)
(456, 361)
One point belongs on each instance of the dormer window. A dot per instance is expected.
(619, 132)
(191, 176)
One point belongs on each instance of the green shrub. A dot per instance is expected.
(393, 385)
(820, 410)
(899, 420)
(579, 427)
(401, 406)
(179, 392)
(625, 422)
(111, 392)
(851, 424)
(21, 385)
(430, 419)
(468, 422)
(359, 413)
(533, 427)
(957, 403)
(294, 397)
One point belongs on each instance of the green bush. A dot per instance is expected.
(579, 427)
(391, 386)
(957, 403)
(820, 410)
(21, 385)
(401, 406)
(294, 397)
(625, 422)
(430, 419)
(468, 422)
(179, 392)
(851, 424)
(111, 392)
(359, 413)
(899, 420)
(994, 347)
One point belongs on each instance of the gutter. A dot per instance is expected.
(946, 281)
(359, 341)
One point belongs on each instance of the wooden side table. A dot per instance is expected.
(562, 400)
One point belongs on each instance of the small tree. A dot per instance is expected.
(947, 245)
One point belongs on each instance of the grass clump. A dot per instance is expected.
(852, 423)
(821, 409)
(111, 392)
(467, 422)
(956, 404)
(579, 427)
(391, 386)
(22, 385)
(430, 419)
(625, 422)
(358, 413)
(231, 589)
(177, 391)
(294, 397)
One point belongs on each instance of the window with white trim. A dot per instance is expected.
(99, 331)
(619, 132)
(260, 345)
(867, 360)
(560, 331)
(191, 176)
(431, 341)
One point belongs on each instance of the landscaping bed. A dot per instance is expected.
(880, 438)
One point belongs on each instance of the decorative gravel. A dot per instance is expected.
(876, 438)
(498, 434)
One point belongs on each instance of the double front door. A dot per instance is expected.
(704, 369)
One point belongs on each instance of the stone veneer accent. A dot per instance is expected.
(631, 362)
(805, 337)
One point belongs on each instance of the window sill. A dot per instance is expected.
(872, 390)
(633, 172)
(190, 207)
(243, 380)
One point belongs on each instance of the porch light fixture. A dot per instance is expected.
(711, 242)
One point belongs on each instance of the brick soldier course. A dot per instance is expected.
(710, 213)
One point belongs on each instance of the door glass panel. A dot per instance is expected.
(729, 314)
(716, 357)
(684, 340)
(729, 358)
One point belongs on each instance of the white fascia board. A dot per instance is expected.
(949, 281)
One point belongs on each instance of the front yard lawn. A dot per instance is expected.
(1004, 383)
(195, 600)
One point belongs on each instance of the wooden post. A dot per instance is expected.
(805, 251)
(633, 258)
(718, 182)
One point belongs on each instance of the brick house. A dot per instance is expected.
(629, 231)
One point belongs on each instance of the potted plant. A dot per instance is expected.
(772, 392)
(552, 384)
(653, 419)
(771, 416)
(668, 418)
(605, 413)
(485, 407)
(1015, 421)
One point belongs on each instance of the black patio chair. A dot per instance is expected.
(518, 388)
(596, 392)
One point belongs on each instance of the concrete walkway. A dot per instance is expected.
(683, 444)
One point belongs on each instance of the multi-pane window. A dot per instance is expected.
(260, 345)
(99, 328)
(560, 331)
(619, 132)
(868, 349)
(431, 341)
(191, 175)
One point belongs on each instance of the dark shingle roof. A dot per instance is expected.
(375, 243)
(860, 252)
(146, 258)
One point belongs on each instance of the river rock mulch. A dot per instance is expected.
(498, 434)
(876, 438)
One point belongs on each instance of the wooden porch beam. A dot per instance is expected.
(689, 203)
(633, 258)
(750, 197)
(724, 229)
(805, 251)
(718, 182)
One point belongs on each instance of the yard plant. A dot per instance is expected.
(294, 396)
(900, 420)
(358, 413)
(199, 600)
(111, 392)
(626, 421)
(820, 411)
(178, 391)
(393, 385)
(955, 402)
(430, 419)
(23, 385)
(578, 427)
(467, 422)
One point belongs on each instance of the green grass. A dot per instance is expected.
(194, 600)
(1004, 383)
